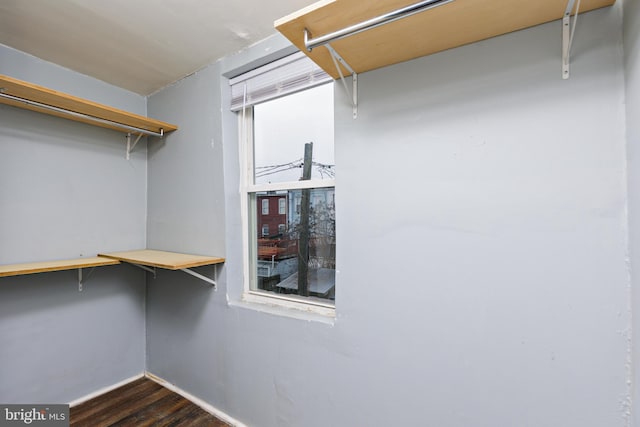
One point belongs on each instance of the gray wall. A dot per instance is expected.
(632, 101)
(66, 191)
(485, 285)
(500, 292)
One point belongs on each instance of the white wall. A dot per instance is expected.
(506, 209)
(632, 102)
(67, 191)
(481, 213)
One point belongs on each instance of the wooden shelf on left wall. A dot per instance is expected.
(147, 259)
(59, 265)
(28, 95)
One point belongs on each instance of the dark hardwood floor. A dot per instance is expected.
(141, 403)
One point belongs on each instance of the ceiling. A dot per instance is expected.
(139, 45)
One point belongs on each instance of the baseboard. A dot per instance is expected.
(201, 403)
(104, 390)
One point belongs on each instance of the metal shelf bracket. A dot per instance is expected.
(145, 268)
(395, 15)
(205, 278)
(353, 94)
(567, 36)
(186, 270)
(81, 279)
(131, 146)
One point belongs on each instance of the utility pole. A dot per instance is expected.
(305, 208)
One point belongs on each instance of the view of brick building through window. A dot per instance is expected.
(278, 231)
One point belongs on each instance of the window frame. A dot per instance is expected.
(249, 205)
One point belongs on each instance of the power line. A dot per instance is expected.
(325, 170)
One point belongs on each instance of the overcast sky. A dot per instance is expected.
(283, 126)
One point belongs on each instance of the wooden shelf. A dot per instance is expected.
(42, 95)
(143, 258)
(46, 266)
(448, 26)
(162, 259)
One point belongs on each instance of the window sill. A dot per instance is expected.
(286, 308)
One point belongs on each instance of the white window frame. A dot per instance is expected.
(247, 187)
(282, 206)
(265, 206)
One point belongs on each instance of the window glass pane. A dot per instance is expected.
(283, 126)
(297, 255)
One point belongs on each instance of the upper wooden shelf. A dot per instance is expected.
(448, 26)
(45, 266)
(162, 259)
(108, 117)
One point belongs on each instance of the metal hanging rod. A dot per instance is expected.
(83, 116)
(311, 44)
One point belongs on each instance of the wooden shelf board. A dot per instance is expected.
(45, 266)
(163, 259)
(43, 95)
(445, 27)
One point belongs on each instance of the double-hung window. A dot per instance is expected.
(285, 114)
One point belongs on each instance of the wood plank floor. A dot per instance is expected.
(141, 403)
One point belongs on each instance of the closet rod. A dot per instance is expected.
(83, 116)
(404, 12)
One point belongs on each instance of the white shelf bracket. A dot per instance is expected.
(145, 268)
(354, 77)
(205, 278)
(568, 31)
(186, 270)
(131, 146)
(81, 279)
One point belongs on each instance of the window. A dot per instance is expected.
(287, 147)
